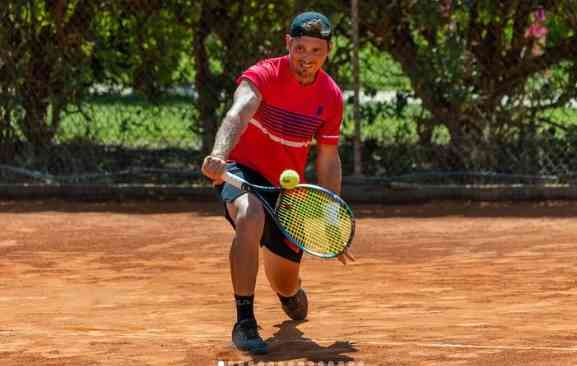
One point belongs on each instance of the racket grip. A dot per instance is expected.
(232, 179)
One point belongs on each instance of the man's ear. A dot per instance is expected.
(288, 40)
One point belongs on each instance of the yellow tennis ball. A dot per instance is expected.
(289, 179)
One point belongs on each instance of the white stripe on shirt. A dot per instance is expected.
(278, 139)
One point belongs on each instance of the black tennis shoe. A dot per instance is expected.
(246, 338)
(297, 306)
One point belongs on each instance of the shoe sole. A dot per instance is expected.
(251, 351)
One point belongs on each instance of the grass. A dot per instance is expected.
(132, 122)
(388, 128)
(385, 127)
(108, 134)
(173, 122)
(563, 116)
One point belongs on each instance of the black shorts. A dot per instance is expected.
(272, 238)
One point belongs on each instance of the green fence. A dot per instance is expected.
(115, 92)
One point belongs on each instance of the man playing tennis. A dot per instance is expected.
(280, 106)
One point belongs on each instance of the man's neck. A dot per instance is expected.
(305, 81)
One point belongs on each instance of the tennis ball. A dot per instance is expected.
(289, 179)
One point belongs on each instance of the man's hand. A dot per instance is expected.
(214, 167)
(346, 257)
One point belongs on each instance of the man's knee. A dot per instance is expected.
(286, 289)
(283, 274)
(250, 214)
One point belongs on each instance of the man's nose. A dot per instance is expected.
(308, 57)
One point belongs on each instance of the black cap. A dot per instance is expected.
(311, 24)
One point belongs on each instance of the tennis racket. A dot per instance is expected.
(313, 218)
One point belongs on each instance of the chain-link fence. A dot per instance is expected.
(114, 139)
(114, 92)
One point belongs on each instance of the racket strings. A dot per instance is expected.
(316, 219)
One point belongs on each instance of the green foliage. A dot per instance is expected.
(484, 70)
(142, 47)
(471, 65)
(132, 122)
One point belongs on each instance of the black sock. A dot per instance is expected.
(244, 307)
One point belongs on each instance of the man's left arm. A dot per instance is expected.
(328, 166)
(329, 176)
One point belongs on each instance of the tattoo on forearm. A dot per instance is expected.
(227, 137)
(246, 102)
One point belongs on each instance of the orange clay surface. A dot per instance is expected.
(147, 283)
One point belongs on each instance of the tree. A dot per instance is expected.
(142, 44)
(482, 69)
(53, 52)
(43, 45)
(229, 36)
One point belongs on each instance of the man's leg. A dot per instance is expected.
(248, 215)
(283, 276)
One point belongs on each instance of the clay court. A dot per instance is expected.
(147, 284)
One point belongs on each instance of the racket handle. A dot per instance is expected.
(233, 180)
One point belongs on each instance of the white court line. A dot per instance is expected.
(425, 345)
(204, 341)
(472, 346)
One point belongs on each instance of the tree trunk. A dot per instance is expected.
(37, 92)
(204, 84)
(8, 138)
(358, 153)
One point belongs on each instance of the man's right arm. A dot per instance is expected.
(247, 99)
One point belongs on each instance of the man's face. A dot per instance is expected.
(307, 55)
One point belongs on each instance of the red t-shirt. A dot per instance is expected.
(289, 117)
